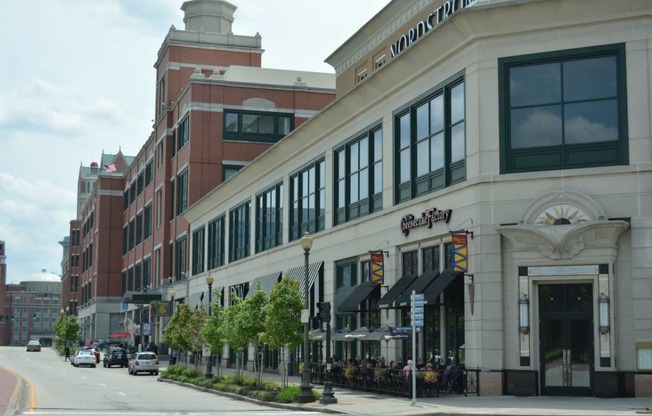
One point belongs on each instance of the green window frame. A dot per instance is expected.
(198, 251)
(181, 253)
(216, 246)
(147, 232)
(563, 109)
(430, 141)
(255, 126)
(307, 199)
(358, 169)
(269, 218)
(183, 132)
(239, 236)
(182, 192)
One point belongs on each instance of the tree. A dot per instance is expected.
(67, 328)
(213, 330)
(283, 319)
(184, 329)
(252, 325)
(234, 336)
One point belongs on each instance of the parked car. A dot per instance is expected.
(116, 356)
(143, 362)
(96, 353)
(84, 357)
(33, 345)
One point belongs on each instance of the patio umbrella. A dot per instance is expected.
(320, 335)
(384, 333)
(358, 334)
(341, 334)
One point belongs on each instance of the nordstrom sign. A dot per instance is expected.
(441, 13)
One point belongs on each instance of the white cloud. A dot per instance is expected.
(77, 78)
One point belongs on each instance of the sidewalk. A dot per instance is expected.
(9, 392)
(354, 402)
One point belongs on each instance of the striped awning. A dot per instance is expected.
(196, 300)
(298, 274)
(267, 283)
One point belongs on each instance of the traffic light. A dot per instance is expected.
(324, 311)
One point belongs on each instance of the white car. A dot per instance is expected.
(34, 345)
(84, 358)
(146, 362)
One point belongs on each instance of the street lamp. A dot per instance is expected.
(306, 395)
(209, 365)
(172, 293)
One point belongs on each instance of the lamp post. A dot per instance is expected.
(328, 397)
(209, 365)
(306, 395)
(172, 293)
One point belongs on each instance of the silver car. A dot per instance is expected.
(83, 358)
(143, 362)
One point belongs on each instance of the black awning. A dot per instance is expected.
(432, 292)
(359, 295)
(419, 284)
(140, 298)
(387, 301)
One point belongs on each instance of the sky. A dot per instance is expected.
(77, 79)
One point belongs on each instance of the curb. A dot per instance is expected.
(12, 405)
(285, 406)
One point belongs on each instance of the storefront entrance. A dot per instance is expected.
(566, 334)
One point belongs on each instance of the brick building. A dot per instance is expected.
(216, 111)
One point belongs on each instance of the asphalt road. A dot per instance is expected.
(55, 387)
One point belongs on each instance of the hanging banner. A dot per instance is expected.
(377, 267)
(460, 253)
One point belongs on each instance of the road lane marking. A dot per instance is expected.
(121, 393)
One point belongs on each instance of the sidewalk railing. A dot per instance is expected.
(396, 383)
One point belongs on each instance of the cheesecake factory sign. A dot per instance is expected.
(434, 19)
(428, 217)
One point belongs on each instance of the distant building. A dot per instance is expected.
(216, 111)
(30, 309)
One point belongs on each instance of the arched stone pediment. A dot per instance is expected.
(561, 224)
(564, 241)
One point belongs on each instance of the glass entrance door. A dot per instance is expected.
(566, 338)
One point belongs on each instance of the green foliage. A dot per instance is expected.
(67, 328)
(184, 330)
(213, 330)
(191, 373)
(288, 394)
(234, 336)
(283, 315)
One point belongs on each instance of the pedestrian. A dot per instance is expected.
(67, 354)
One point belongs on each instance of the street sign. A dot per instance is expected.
(419, 303)
(418, 296)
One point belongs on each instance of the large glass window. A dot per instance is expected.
(307, 193)
(183, 132)
(269, 218)
(359, 176)
(410, 262)
(216, 246)
(198, 251)
(139, 228)
(182, 192)
(181, 253)
(563, 110)
(148, 221)
(147, 273)
(256, 126)
(431, 141)
(239, 232)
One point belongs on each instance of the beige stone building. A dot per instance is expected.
(522, 126)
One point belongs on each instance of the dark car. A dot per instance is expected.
(116, 356)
